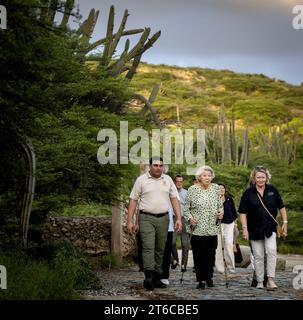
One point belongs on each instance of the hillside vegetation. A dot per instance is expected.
(257, 101)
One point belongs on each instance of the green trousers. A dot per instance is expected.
(153, 233)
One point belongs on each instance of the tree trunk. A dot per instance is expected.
(29, 189)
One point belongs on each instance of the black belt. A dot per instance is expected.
(157, 215)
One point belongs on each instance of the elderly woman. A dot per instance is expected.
(203, 207)
(258, 210)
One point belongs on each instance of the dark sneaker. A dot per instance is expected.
(254, 283)
(174, 264)
(183, 268)
(148, 284)
(201, 285)
(210, 283)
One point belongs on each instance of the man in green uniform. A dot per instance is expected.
(155, 190)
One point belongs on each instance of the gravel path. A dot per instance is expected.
(127, 284)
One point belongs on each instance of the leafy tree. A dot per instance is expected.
(52, 104)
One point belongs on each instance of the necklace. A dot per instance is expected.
(203, 187)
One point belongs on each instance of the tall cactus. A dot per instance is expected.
(109, 37)
(245, 145)
(129, 59)
(222, 142)
(280, 142)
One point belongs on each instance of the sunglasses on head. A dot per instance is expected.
(260, 168)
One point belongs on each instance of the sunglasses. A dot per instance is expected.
(260, 168)
(158, 165)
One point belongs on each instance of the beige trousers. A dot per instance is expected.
(228, 239)
(267, 247)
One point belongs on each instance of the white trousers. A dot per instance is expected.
(228, 241)
(260, 248)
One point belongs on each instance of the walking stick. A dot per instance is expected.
(223, 254)
(187, 249)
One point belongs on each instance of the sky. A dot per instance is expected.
(240, 35)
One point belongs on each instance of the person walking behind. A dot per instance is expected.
(258, 208)
(139, 242)
(168, 248)
(202, 208)
(178, 180)
(155, 190)
(227, 225)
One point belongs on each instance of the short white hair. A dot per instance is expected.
(202, 169)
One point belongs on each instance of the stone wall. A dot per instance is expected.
(128, 243)
(90, 234)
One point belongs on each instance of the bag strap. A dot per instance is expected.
(266, 208)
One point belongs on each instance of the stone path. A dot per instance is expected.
(127, 284)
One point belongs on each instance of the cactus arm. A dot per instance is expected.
(118, 35)
(87, 27)
(149, 106)
(126, 48)
(109, 36)
(54, 5)
(133, 68)
(152, 96)
(103, 40)
(138, 47)
(69, 5)
(150, 42)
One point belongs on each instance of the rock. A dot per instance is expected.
(245, 250)
(246, 263)
(281, 264)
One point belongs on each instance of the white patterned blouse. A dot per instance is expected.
(203, 206)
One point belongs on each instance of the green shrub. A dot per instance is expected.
(107, 262)
(84, 210)
(33, 278)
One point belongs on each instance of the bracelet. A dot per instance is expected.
(244, 227)
(285, 221)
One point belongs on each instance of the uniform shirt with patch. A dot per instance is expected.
(154, 193)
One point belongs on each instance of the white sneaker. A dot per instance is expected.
(260, 285)
(165, 281)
